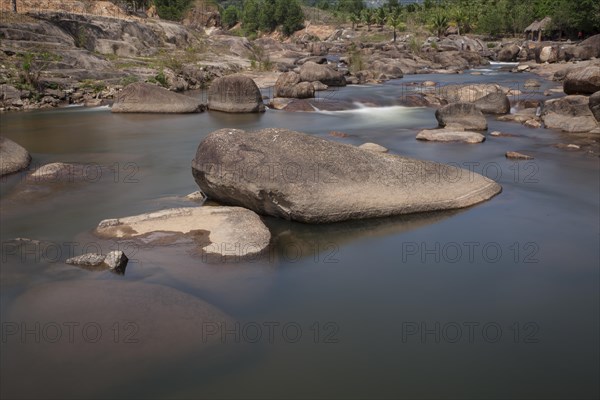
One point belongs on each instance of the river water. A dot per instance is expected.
(500, 300)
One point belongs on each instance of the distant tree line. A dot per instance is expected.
(494, 17)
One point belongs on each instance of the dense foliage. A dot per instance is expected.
(264, 16)
(494, 17)
(172, 9)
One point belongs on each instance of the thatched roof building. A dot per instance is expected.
(537, 27)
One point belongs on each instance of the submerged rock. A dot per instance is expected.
(13, 157)
(301, 177)
(143, 97)
(217, 230)
(513, 155)
(235, 94)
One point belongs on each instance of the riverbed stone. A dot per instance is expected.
(594, 102)
(569, 114)
(514, 155)
(301, 177)
(235, 94)
(450, 135)
(13, 157)
(493, 103)
(143, 97)
(288, 85)
(582, 80)
(466, 115)
(216, 229)
(373, 147)
(310, 72)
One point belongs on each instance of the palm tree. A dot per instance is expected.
(367, 16)
(440, 24)
(380, 17)
(355, 19)
(394, 20)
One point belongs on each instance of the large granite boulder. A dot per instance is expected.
(143, 97)
(466, 115)
(508, 53)
(310, 72)
(217, 230)
(595, 105)
(235, 94)
(493, 103)
(468, 93)
(301, 177)
(569, 114)
(13, 157)
(583, 80)
(288, 85)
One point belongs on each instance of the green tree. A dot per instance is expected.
(367, 17)
(289, 15)
(250, 16)
(380, 17)
(394, 20)
(172, 9)
(229, 17)
(354, 19)
(439, 24)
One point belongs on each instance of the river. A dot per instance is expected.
(500, 300)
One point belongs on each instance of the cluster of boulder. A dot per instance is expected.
(549, 52)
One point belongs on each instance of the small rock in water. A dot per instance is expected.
(116, 261)
(373, 147)
(533, 123)
(513, 155)
(196, 196)
(496, 133)
(338, 134)
(523, 67)
(532, 83)
(450, 135)
(87, 260)
(573, 146)
(428, 83)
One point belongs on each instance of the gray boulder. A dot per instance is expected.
(301, 177)
(595, 105)
(569, 114)
(466, 115)
(13, 157)
(493, 103)
(508, 53)
(582, 80)
(235, 94)
(310, 72)
(288, 85)
(143, 97)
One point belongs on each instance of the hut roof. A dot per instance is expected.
(539, 25)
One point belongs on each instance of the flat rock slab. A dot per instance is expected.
(218, 230)
(513, 155)
(142, 97)
(305, 178)
(450, 135)
(13, 157)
